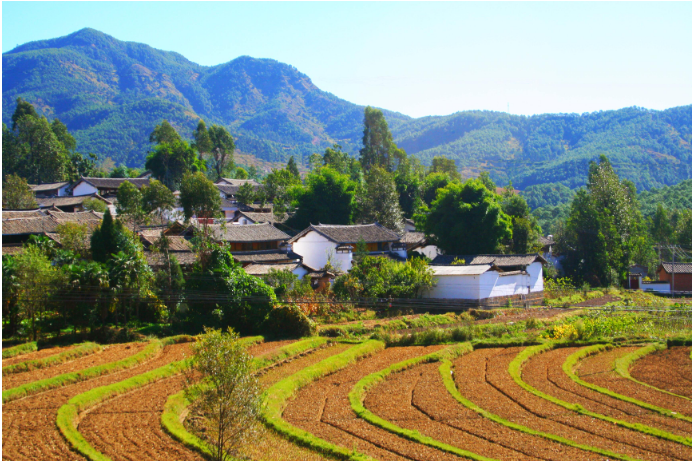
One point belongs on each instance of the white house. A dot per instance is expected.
(56, 189)
(482, 277)
(105, 187)
(321, 242)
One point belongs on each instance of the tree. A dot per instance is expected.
(447, 166)
(164, 134)
(327, 198)
(123, 171)
(661, 227)
(169, 162)
(94, 204)
(16, 194)
(486, 180)
(378, 147)
(129, 204)
(432, 183)
(246, 194)
(168, 281)
(525, 229)
(42, 157)
(222, 148)
(66, 139)
(292, 168)
(199, 197)
(342, 162)
(229, 394)
(467, 219)
(157, 199)
(10, 295)
(378, 200)
(106, 238)
(241, 173)
(252, 173)
(23, 109)
(202, 143)
(74, 237)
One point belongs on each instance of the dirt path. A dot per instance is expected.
(417, 399)
(107, 355)
(559, 384)
(669, 369)
(483, 378)
(40, 354)
(598, 369)
(323, 409)
(28, 425)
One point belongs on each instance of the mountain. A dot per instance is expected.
(112, 93)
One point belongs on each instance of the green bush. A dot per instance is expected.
(289, 321)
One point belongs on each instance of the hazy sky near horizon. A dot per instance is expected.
(418, 58)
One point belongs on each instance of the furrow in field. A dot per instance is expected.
(40, 354)
(558, 384)
(668, 369)
(483, 378)
(323, 409)
(29, 431)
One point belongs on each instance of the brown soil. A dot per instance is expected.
(669, 369)
(323, 409)
(483, 378)
(596, 302)
(263, 348)
(28, 425)
(287, 369)
(40, 354)
(107, 355)
(559, 384)
(417, 399)
(598, 369)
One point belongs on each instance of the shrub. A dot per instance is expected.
(289, 320)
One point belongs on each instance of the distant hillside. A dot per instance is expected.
(111, 94)
(676, 197)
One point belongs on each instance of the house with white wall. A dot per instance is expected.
(321, 242)
(105, 187)
(56, 189)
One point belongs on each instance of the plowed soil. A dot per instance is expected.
(669, 369)
(323, 409)
(28, 425)
(598, 369)
(417, 399)
(40, 354)
(559, 384)
(107, 355)
(263, 348)
(483, 378)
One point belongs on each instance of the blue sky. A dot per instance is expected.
(417, 58)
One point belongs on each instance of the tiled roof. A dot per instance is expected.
(82, 217)
(545, 241)
(19, 226)
(175, 243)
(370, 233)
(263, 269)
(114, 183)
(68, 200)
(263, 217)
(498, 260)
(12, 249)
(266, 256)
(157, 259)
(413, 239)
(14, 214)
(677, 268)
(250, 233)
(48, 187)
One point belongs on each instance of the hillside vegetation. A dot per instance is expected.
(111, 94)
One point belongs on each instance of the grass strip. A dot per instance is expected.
(70, 378)
(515, 370)
(358, 394)
(277, 397)
(176, 407)
(79, 351)
(21, 349)
(447, 375)
(68, 413)
(622, 366)
(569, 368)
(288, 351)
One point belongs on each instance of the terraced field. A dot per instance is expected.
(361, 401)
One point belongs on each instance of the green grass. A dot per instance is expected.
(68, 413)
(569, 369)
(358, 394)
(277, 397)
(70, 378)
(446, 374)
(515, 370)
(79, 351)
(20, 349)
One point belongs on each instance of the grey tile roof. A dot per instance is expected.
(48, 187)
(266, 256)
(677, 268)
(263, 217)
(14, 214)
(498, 260)
(82, 217)
(263, 269)
(48, 222)
(157, 259)
(68, 200)
(176, 242)
(250, 233)
(370, 233)
(413, 239)
(12, 249)
(114, 183)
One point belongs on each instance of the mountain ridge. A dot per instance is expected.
(112, 93)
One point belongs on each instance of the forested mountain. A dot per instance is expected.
(111, 94)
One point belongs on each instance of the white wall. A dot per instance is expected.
(314, 248)
(487, 285)
(300, 271)
(84, 189)
(62, 192)
(454, 287)
(536, 276)
(430, 251)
